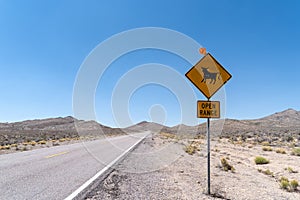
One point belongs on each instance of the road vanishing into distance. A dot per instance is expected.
(56, 172)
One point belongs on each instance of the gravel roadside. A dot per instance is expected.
(184, 176)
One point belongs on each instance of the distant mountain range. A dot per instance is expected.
(52, 128)
(287, 121)
(285, 118)
(55, 124)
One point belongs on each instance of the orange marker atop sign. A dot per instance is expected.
(202, 51)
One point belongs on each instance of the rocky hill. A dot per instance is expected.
(51, 128)
(287, 118)
(278, 126)
(146, 126)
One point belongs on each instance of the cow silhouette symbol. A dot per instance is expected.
(209, 75)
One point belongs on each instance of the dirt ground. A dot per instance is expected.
(171, 173)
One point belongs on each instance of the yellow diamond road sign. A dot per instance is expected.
(208, 75)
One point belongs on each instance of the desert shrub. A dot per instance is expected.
(244, 138)
(7, 147)
(167, 135)
(284, 183)
(254, 143)
(13, 145)
(259, 160)
(42, 142)
(281, 150)
(266, 172)
(289, 138)
(62, 139)
(265, 143)
(288, 185)
(25, 143)
(226, 166)
(294, 184)
(296, 151)
(290, 170)
(284, 179)
(238, 142)
(267, 148)
(259, 170)
(292, 144)
(190, 149)
(32, 143)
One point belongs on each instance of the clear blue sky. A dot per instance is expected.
(43, 44)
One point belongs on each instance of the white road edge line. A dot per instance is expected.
(87, 183)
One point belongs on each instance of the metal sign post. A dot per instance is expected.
(208, 156)
(208, 75)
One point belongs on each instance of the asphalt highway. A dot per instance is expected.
(56, 172)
